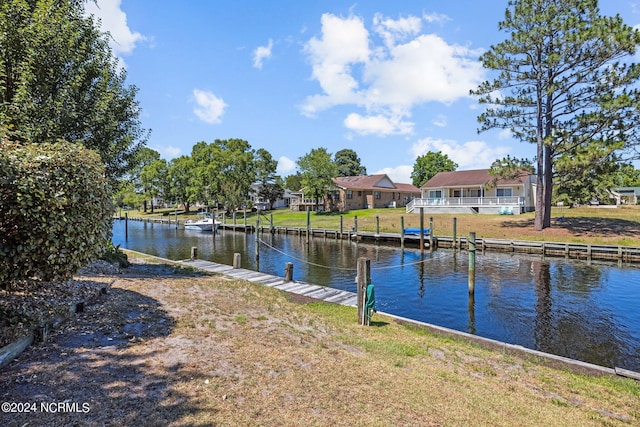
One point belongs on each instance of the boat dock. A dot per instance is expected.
(323, 293)
(580, 251)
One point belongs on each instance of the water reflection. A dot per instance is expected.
(574, 309)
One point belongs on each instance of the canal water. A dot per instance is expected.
(584, 311)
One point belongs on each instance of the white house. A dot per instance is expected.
(476, 191)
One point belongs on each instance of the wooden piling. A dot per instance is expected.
(362, 280)
(194, 253)
(472, 262)
(308, 225)
(431, 234)
(455, 226)
(236, 260)
(341, 226)
(257, 243)
(421, 229)
(126, 225)
(288, 272)
(402, 233)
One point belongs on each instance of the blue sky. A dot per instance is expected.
(387, 79)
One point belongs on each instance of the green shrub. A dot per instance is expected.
(114, 255)
(55, 210)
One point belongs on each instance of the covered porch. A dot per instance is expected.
(504, 205)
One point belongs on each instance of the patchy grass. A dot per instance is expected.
(189, 350)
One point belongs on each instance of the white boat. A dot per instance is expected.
(204, 222)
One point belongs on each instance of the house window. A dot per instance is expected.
(435, 194)
(475, 193)
(349, 194)
(359, 193)
(504, 192)
(377, 194)
(456, 193)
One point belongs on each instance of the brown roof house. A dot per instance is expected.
(361, 192)
(476, 191)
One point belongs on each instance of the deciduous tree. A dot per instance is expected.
(271, 185)
(428, 165)
(348, 163)
(317, 171)
(60, 80)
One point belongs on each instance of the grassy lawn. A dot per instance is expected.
(620, 226)
(208, 350)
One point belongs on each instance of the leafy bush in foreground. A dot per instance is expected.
(54, 210)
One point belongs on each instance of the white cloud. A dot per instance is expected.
(209, 108)
(399, 174)
(440, 121)
(505, 134)
(167, 152)
(423, 70)
(114, 20)
(435, 17)
(469, 155)
(377, 125)
(285, 166)
(396, 30)
(344, 42)
(387, 80)
(261, 53)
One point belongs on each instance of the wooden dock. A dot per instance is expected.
(580, 251)
(323, 293)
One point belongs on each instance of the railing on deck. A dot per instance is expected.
(465, 202)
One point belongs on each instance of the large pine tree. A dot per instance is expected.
(565, 82)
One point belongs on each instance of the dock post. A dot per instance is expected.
(194, 253)
(126, 225)
(257, 244)
(363, 279)
(377, 224)
(472, 262)
(288, 272)
(455, 226)
(355, 226)
(421, 229)
(431, 234)
(236, 260)
(402, 233)
(308, 225)
(341, 226)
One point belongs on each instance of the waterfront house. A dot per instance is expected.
(359, 192)
(626, 195)
(476, 191)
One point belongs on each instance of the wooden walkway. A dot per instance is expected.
(323, 293)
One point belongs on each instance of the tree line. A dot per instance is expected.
(225, 173)
(564, 79)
